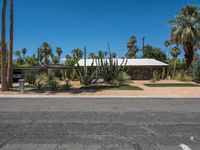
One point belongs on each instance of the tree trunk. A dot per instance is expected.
(189, 53)
(59, 57)
(3, 49)
(10, 52)
(174, 73)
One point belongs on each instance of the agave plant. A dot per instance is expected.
(110, 68)
(85, 75)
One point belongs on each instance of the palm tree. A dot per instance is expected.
(132, 48)
(68, 57)
(45, 50)
(10, 51)
(186, 30)
(24, 50)
(55, 59)
(4, 86)
(175, 52)
(19, 58)
(113, 55)
(101, 54)
(59, 52)
(77, 54)
(91, 55)
(167, 44)
(40, 55)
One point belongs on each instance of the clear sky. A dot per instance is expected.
(73, 24)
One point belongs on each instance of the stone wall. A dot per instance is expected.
(143, 73)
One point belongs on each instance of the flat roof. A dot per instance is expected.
(127, 62)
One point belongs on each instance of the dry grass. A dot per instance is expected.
(147, 91)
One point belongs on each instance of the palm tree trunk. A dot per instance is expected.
(59, 57)
(10, 52)
(189, 53)
(174, 68)
(3, 49)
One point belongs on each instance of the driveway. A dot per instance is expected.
(99, 124)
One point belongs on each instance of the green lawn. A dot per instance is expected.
(106, 87)
(172, 85)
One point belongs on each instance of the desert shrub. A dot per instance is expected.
(58, 73)
(39, 85)
(195, 69)
(180, 64)
(122, 79)
(52, 82)
(184, 75)
(30, 76)
(67, 85)
(156, 77)
(40, 82)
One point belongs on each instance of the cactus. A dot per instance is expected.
(109, 69)
(84, 74)
(163, 73)
(156, 77)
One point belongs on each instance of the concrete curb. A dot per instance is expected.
(92, 97)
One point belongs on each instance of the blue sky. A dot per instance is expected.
(73, 24)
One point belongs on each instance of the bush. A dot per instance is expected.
(40, 82)
(30, 76)
(67, 85)
(39, 85)
(183, 76)
(195, 69)
(52, 82)
(122, 79)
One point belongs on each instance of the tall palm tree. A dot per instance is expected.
(4, 86)
(24, 50)
(19, 58)
(175, 52)
(59, 52)
(10, 51)
(101, 54)
(91, 55)
(46, 50)
(132, 48)
(40, 55)
(77, 54)
(167, 44)
(113, 55)
(186, 30)
(68, 57)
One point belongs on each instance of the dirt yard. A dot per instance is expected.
(147, 91)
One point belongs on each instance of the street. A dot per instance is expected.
(99, 124)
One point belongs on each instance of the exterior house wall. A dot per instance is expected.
(143, 73)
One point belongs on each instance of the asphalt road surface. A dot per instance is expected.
(99, 124)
